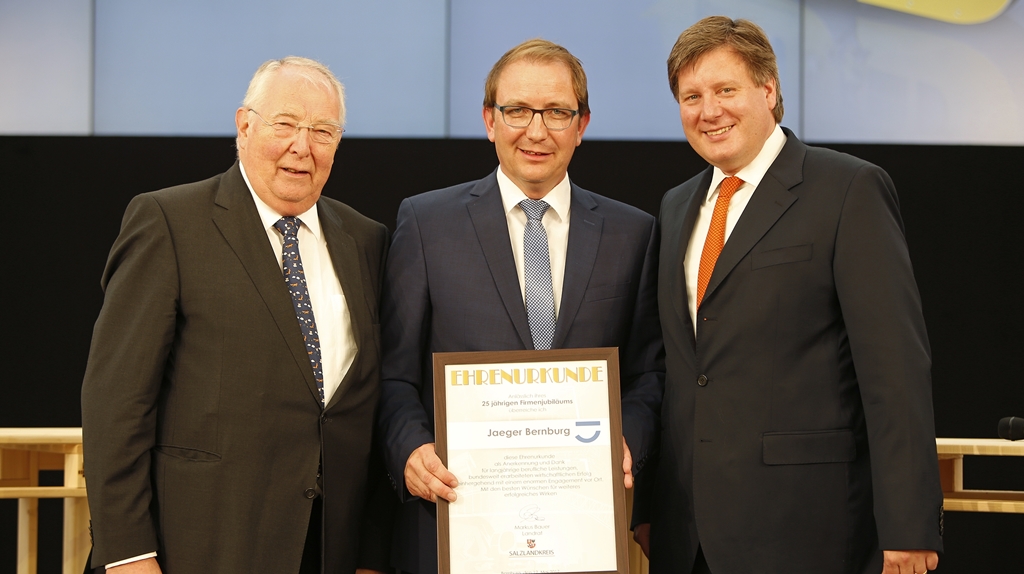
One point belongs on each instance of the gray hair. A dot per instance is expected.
(313, 71)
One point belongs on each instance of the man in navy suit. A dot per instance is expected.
(455, 280)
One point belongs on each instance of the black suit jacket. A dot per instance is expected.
(202, 425)
(797, 425)
(451, 285)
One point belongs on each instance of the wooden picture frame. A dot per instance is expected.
(540, 488)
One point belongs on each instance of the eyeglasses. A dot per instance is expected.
(555, 119)
(320, 133)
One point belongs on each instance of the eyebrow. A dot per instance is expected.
(548, 106)
(313, 122)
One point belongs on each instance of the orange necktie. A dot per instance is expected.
(716, 234)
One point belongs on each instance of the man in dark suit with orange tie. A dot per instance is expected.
(797, 432)
(522, 259)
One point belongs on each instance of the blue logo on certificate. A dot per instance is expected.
(597, 432)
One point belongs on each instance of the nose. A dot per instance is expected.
(536, 130)
(711, 107)
(300, 141)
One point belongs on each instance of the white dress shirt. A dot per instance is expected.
(556, 224)
(751, 175)
(330, 310)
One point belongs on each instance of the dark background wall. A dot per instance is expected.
(62, 200)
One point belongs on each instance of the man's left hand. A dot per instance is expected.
(909, 561)
(627, 465)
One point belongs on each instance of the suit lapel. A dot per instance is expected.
(345, 257)
(585, 227)
(687, 209)
(239, 222)
(770, 200)
(488, 215)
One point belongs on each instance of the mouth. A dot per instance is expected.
(718, 132)
(536, 154)
(295, 171)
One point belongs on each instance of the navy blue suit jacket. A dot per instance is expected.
(451, 285)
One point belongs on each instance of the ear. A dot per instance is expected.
(489, 114)
(770, 94)
(582, 124)
(242, 127)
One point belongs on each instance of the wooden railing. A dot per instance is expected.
(951, 468)
(23, 453)
(26, 451)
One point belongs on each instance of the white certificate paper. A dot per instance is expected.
(531, 444)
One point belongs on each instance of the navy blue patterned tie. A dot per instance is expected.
(540, 297)
(295, 280)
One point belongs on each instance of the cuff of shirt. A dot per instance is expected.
(130, 560)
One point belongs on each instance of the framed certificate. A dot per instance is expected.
(535, 440)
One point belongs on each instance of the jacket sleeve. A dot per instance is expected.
(131, 342)
(643, 363)
(403, 422)
(881, 308)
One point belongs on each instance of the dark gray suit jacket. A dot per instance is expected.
(451, 285)
(797, 426)
(203, 431)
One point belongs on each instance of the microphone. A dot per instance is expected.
(1011, 428)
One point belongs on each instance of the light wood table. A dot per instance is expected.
(23, 453)
(951, 469)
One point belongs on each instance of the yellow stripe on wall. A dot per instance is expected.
(953, 11)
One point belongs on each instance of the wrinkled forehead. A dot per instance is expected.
(292, 90)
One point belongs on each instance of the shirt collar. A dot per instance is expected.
(754, 171)
(269, 217)
(558, 198)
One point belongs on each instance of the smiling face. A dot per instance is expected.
(726, 116)
(534, 158)
(288, 173)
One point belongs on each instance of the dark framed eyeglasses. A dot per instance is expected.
(555, 119)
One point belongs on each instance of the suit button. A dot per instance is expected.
(702, 381)
(325, 419)
(310, 493)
